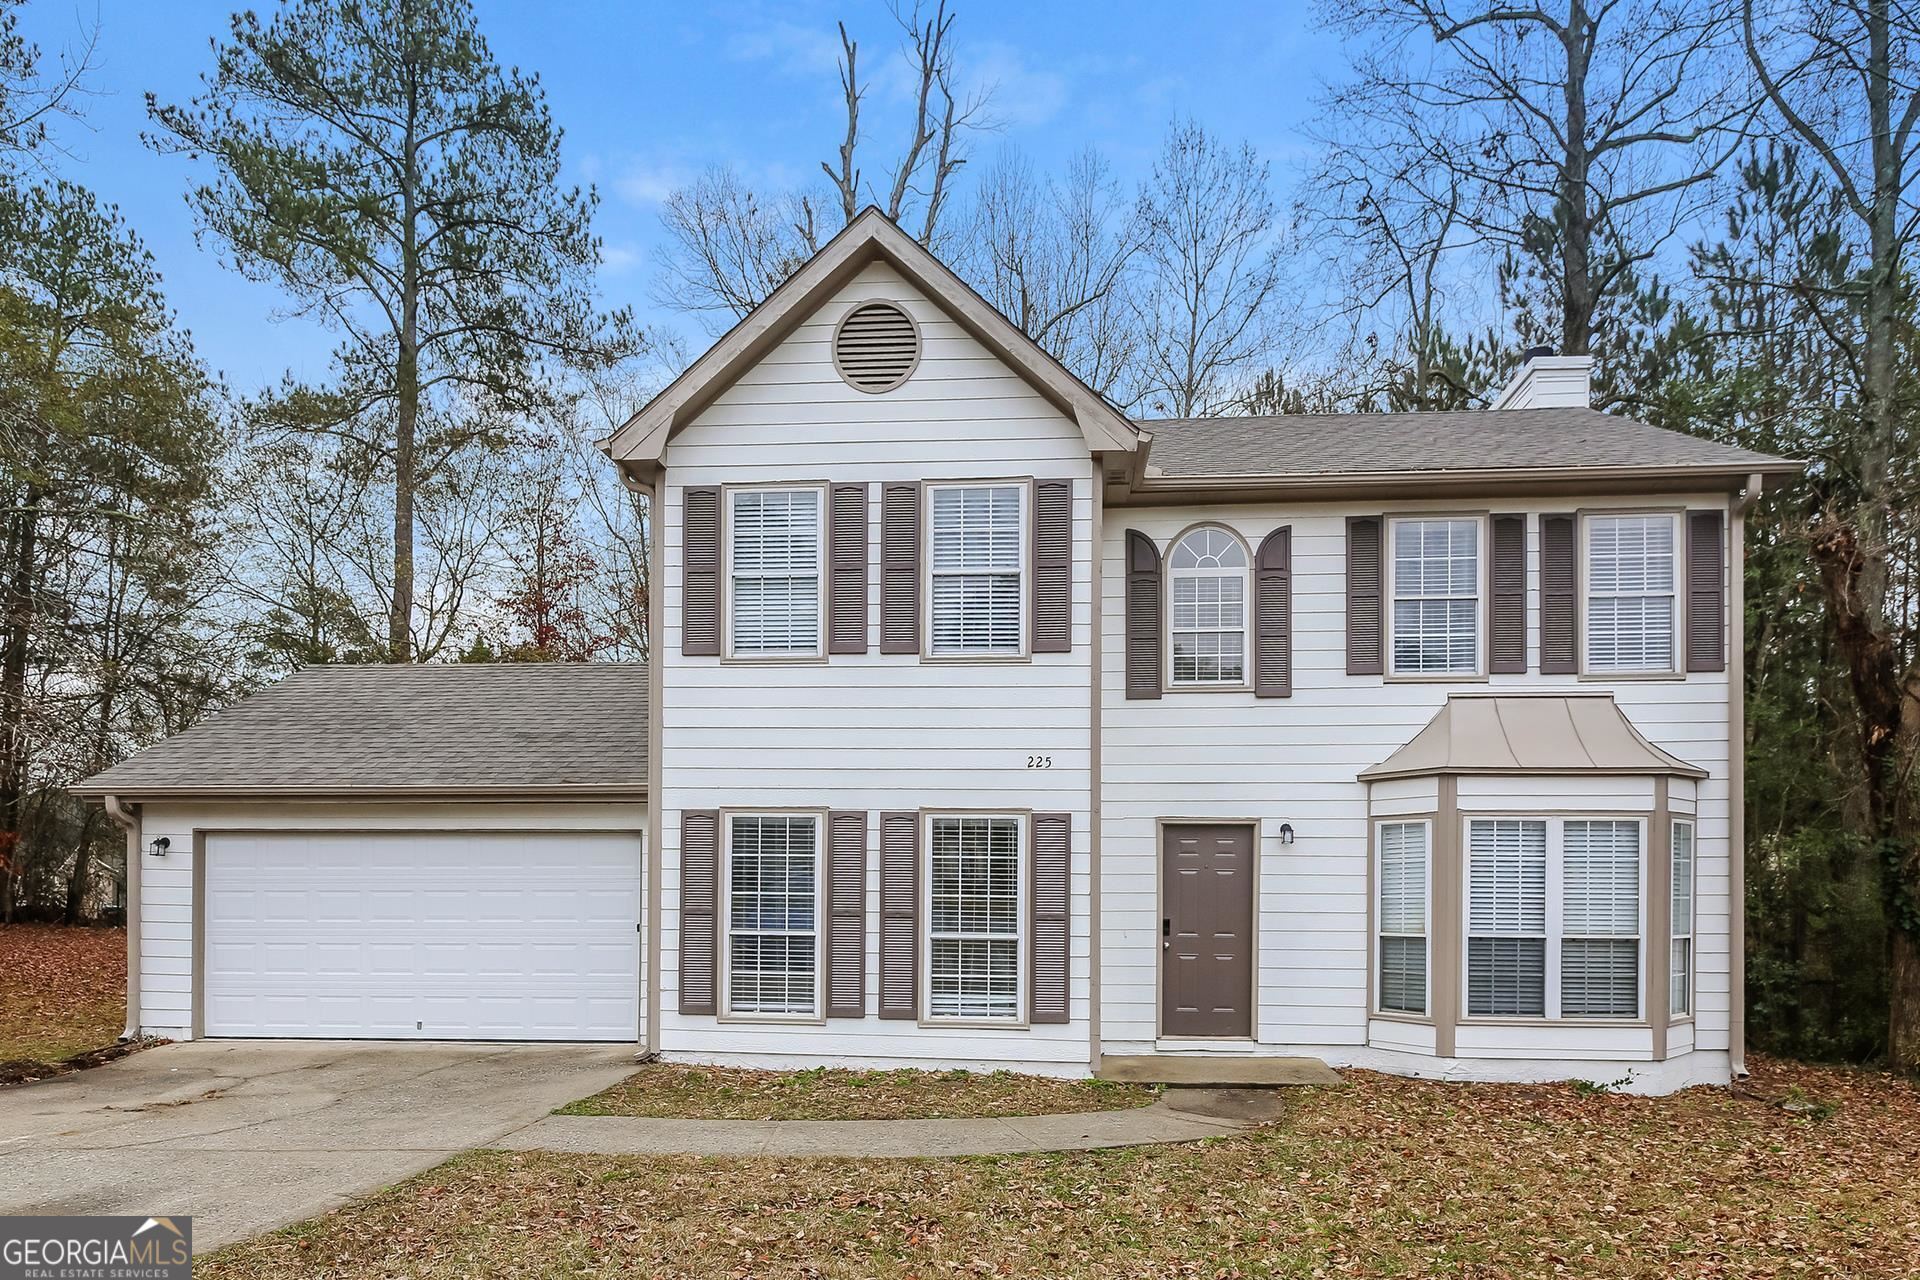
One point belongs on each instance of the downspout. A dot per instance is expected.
(129, 820)
(1737, 774)
(652, 488)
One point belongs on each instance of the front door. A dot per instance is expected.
(1206, 933)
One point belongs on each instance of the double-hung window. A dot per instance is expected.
(976, 559)
(773, 571)
(1207, 588)
(1632, 568)
(1435, 619)
(773, 914)
(1680, 976)
(1553, 917)
(975, 874)
(1402, 877)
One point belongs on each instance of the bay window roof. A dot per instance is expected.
(1529, 733)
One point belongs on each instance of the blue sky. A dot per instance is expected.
(651, 93)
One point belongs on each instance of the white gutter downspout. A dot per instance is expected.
(129, 819)
(1737, 775)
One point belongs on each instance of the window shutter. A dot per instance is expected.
(700, 572)
(1364, 645)
(1706, 591)
(899, 915)
(847, 914)
(699, 908)
(1052, 585)
(1507, 602)
(900, 568)
(1559, 595)
(1273, 616)
(1050, 848)
(847, 569)
(1143, 616)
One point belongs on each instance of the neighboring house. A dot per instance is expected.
(989, 728)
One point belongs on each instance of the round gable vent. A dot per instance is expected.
(876, 347)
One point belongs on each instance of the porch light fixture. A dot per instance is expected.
(158, 846)
(1286, 833)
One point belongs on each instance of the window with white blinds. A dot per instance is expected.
(974, 900)
(976, 558)
(773, 914)
(1402, 922)
(1554, 917)
(774, 582)
(1207, 579)
(1632, 568)
(1680, 976)
(1434, 625)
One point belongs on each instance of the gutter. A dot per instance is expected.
(1737, 776)
(129, 820)
(1151, 485)
(350, 792)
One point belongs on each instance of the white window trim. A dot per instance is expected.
(1246, 612)
(927, 651)
(725, 921)
(1379, 824)
(1555, 922)
(1693, 917)
(1389, 594)
(1586, 522)
(1024, 960)
(728, 494)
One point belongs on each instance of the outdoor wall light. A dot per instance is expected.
(158, 846)
(1286, 833)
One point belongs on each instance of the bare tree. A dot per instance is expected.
(729, 247)
(1843, 82)
(1214, 268)
(1584, 132)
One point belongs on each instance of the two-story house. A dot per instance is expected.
(987, 727)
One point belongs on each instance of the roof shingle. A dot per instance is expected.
(530, 727)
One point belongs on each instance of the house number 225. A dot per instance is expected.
(1039, 762)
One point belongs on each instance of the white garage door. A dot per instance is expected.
(423, 936)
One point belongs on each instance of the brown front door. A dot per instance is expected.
(1206, 933)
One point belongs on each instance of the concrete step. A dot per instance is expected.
(1215, 1070)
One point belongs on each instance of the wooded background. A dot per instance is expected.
(1715, 200)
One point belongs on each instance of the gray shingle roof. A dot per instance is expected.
(1360, 443)
(533, 727)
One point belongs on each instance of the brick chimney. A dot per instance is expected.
(1548, 381)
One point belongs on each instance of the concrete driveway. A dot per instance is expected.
(250, 1135)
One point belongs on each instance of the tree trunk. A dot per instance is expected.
(13, 692)
(407, 401)
(1576, 259)
(1903, 1024)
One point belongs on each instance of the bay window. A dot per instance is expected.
(1402, 876)
(1680, 976)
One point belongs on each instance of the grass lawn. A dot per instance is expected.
(1802, 1172)
(715, 1093)
(62, 991)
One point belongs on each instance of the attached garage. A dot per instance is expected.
(397, 853)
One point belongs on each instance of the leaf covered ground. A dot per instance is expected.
(63, 991)
(1801, 1172)
(835, 1093)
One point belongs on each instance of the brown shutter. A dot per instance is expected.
(1273, 616)
(700, 572)
(1364, 642)
(900, 568)
(1052, 606)
(899, 915)
(1559, 595)
(847, 569)
(1706, 591)
(1507, 605)
(1050, 848)
(847, 915)
(699, 909)
(1143, 616)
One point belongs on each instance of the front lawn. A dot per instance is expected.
(1803, 1172)
(63, 991)
(717, 1093)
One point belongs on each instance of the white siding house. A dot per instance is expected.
(989, 728)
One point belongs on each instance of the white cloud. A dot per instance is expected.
(618, 259)
(644, 183)
(794, 49)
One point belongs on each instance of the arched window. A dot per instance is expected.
(1207, 592)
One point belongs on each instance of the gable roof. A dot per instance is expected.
(1529, 733)
(527, 730)
(870, 237)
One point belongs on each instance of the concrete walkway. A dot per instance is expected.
(1014, 1135)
